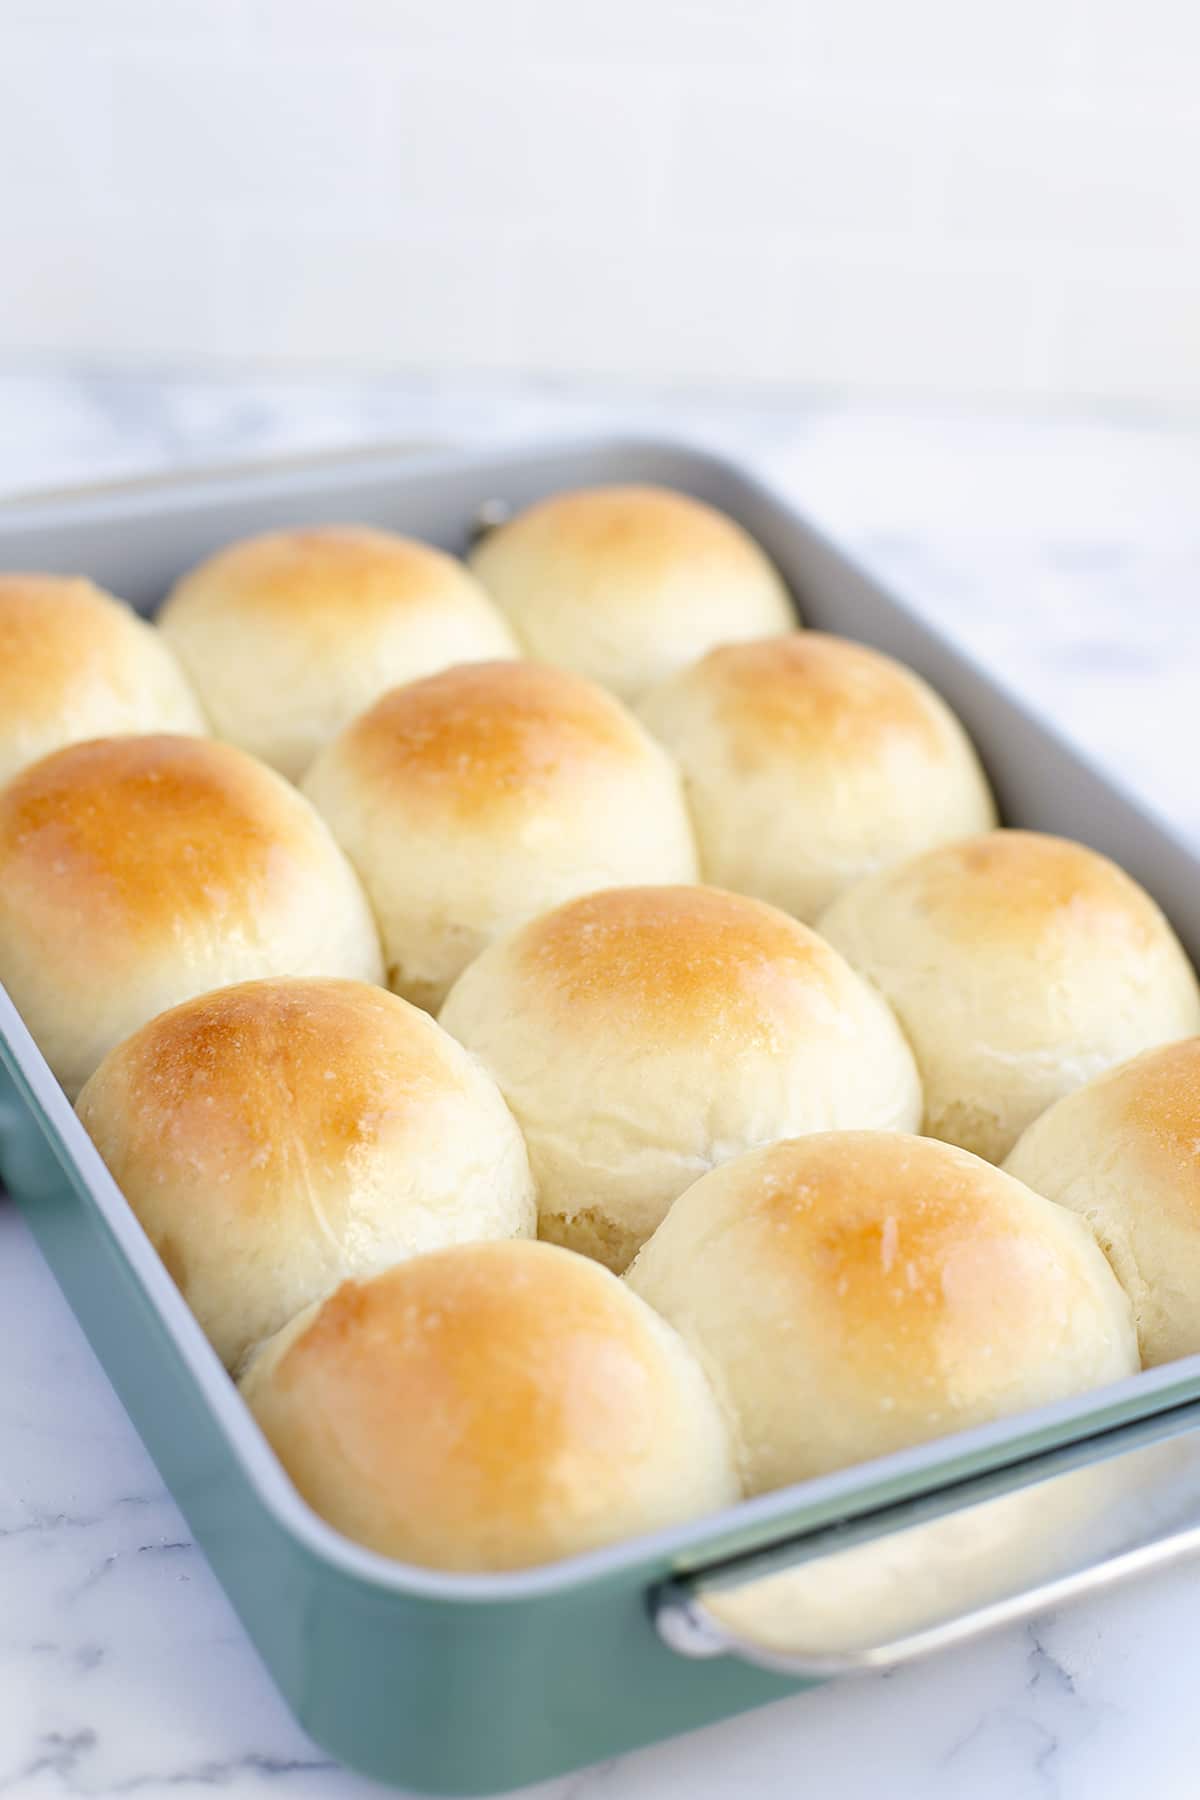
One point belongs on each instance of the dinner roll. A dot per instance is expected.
(489, 1407)
(75, 663)
(809, 762)
(644, 1034)
(851, 1293)
(472, 800)
(1020, 966)
(287, 636)
(1124, 1153)
(136, 872)
(278, 1136)
(627, 584)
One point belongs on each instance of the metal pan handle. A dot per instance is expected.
(898, 1584)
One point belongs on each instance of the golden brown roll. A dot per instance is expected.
(644, 1034)
(851, 1293)
(627, 584)
(1124, 1153)
(810, 762)
(474, 799)
(490, 1407)
(275, 1137)
(136, 872)
(1020, 966)
(289, 635)
(76, 663)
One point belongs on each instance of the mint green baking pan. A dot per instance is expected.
(476, 1684)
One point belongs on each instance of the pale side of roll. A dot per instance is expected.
(1020, 966)
(1124, 1153)
(852, 1293)
(276, 1137)
(908, 1581)
(77, 663)
(287, 636)
(627, 584)
(138, 871)
(491, 1407)
(643, 1035)
(472, 800)
(810, 762)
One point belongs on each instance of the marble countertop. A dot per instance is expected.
(1063, 550)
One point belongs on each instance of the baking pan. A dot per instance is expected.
(456, 1684)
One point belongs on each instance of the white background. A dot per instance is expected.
(986, 197)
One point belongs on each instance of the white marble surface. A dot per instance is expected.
(1067, 551)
